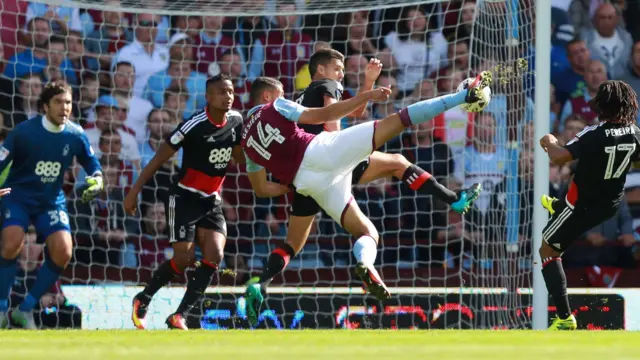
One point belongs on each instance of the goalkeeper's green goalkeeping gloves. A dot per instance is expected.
(96, 185)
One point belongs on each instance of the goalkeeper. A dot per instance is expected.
(39, 152)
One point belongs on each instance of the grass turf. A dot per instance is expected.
(334, 345)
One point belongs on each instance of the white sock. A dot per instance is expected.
(365, 250)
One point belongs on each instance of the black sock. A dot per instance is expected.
(422, 181)
(161, 277)
(197, 285)
(277, 261)
(556, 282)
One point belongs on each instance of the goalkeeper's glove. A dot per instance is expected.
(96, 185)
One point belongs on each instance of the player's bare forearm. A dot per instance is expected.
(335, 111)
(271, 189)
(558, 154)
(263, 187)
(164, 153)
(238, 155)
(368, 85)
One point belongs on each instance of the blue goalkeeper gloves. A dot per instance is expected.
(96, 185)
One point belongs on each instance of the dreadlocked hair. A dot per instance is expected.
(615, 102)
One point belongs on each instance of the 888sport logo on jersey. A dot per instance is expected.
(48, 170)
(220, 157)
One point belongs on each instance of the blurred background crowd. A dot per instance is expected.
(136, 76)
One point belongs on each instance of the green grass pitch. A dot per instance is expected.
(333, 345)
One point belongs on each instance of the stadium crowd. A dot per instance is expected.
(136, 76)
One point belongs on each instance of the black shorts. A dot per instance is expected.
(306, 206)
(186, 212)
(568, 224)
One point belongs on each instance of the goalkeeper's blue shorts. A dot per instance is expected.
(46, 221)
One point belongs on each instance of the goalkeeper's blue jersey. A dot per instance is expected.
(39, 157)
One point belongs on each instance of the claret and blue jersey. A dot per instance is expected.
(39, 154)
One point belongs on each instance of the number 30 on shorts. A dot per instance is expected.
(220, 155)
(58, 216)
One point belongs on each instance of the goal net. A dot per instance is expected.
(444, 270)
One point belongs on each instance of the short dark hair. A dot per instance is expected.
(123, 63)
(573, 41)
(262, 84)
(57, 39)
(323, 57)
(53, 89)
(88, 75)
(220, 77)
(615, 102)
(174, 91)
(107, 133)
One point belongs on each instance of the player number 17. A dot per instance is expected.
(611, 150)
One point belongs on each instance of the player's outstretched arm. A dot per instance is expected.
(371, 74)
(341, 109)
(262, 187)
(164, 153)
(238, 155)
(557, 154)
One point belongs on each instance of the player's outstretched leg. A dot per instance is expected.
(382, 165)
(212, 245)
(10, 245)
(59, 249)
(161, 277)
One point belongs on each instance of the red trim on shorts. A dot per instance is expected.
(373, 137)
(572, 194)
(550, 261)
(209, 264)
(174, 266)
(284, 254)
(417, 184)
(344, 211)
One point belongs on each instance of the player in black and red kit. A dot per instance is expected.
(327, 71)
(209, 139)
(604, 153)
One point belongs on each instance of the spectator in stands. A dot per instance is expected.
(181, 46)
(632, 73)
(417, 52)
(354, 70)
(554, 110)
(54, 311)
(511, 110)
(384, 109)
(286, 49)
(358, 41)
(103, 220)
(571, 79)
(107, 115)
(111, 149)
(36, 59)
(578, 104)
(175, 101)
(25, 103)
(247, 33)
(78, 56)
(137, 108)
(146, 57)
(179, 76)
(152, 247)
(108, 38)
(230, 64)
(458, 21)
(59, 66)
(485, 162)
(573, 125)
(188, 25)
(83, 109)
(211, 44)
(609, 42)
(160, 124)
(62, 18)
(13, 20)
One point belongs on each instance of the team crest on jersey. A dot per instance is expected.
(183, 232)
(3, 153)
(177, 138)
(65, 151)
(7, 214)
(302, 51)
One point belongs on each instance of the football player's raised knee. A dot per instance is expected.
(60, 248)
(547, 251)
(400, 165)
(183, 255)
(12, 242)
